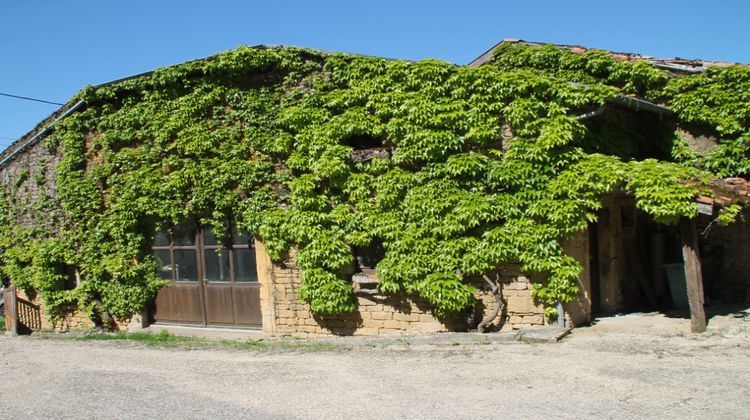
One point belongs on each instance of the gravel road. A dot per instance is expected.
(605, 371)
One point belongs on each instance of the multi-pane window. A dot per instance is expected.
(231, 260)
(187, 254)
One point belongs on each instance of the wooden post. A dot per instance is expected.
(693, 275)
(11, 310)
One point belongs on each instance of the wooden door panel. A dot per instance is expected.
(219, 306)
(247, 305)
(179, 303)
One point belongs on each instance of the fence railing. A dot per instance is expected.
(21, 316)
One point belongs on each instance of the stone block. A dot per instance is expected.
(534, 319)
(416, 309)
(428, 318)
(507, 293)
(365, 315)
(400, 316)
(304, 314)
(371, 323)
(395, 325)
(365, 302)
(309, 329)
(381, 315)
(285, 314)
(522, 304)
(285, 328)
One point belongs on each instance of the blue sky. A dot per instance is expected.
(52, 49)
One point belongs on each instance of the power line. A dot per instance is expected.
(26, 98)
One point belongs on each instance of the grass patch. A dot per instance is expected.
(165, 339)
(162, 338)
(2, 323)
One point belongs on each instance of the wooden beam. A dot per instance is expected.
(11, 310)
(693, 275)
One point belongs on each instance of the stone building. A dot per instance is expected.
(622, 257)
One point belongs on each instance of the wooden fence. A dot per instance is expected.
(21, 316)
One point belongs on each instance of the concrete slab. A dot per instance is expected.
(391, 341)
(241, 334)
(542, 334)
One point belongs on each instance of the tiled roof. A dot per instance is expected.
(673, 64)
(727, 191)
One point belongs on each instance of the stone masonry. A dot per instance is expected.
(283, 313)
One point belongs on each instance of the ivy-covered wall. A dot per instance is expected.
(467, 169)
(400, 313)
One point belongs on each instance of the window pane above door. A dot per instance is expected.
(209, 238)
(186, 265)
(243, 239)
(161, 239)
(163, 264)
(183, 235)
(244, 266)
(217, 265)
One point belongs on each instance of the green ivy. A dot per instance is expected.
(262, 139)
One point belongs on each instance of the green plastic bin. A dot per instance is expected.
(677, 284)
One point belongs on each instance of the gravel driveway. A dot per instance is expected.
(604, 371)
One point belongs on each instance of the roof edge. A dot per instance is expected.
(676, 64)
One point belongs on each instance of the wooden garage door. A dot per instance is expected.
(211, 282)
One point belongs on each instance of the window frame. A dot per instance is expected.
(228, 245)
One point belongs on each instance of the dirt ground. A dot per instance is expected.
(633, 366)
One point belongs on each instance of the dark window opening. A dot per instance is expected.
(363, 141)
(70, 279)
(630, 134)
(366, 259)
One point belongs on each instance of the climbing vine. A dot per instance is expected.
(475, 168)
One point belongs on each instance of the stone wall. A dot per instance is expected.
(283, 313)
(30, 179)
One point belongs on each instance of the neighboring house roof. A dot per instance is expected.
(679, 65)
